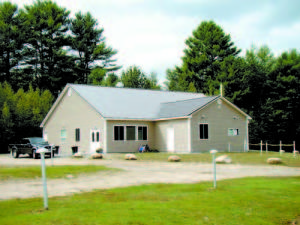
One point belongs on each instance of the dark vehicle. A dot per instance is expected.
(30, 146)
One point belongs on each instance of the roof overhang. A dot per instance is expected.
(54, 105)
(225, 100)
(150, 120)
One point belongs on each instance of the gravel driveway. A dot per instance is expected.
(134, 173)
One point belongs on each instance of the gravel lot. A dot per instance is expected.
(134, 173)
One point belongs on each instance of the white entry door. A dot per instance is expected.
(95, 140)
(170, 139)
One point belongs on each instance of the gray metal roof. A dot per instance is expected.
(127, 103)
(184, 107)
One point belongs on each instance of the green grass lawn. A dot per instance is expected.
(25, 172)
(238, 201)
(253, 158)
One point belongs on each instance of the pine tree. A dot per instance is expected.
(90, 47)
(11, 40)
(206, 50)
(47, 36)
(134, 77)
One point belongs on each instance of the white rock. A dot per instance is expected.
(130, 157)
(96, 156)
(70, 176)
(223, 159)
(274, 160)
(78, 155)
(174, 158)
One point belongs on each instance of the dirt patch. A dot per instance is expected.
(134, 173)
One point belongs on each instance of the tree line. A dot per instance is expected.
(264, 86)
(42, 48)
(22, 112)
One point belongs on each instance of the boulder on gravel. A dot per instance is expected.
(96, 156)
(174, 158)
(70, 176)
(130, 157)
(223, 159)
(274, 160)
(78, 155)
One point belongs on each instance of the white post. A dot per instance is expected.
(52, 154)
(228, 146)
(42, 154)
(260, 147)
(280, 148)
(266, 147)
(280, 144)
(214, 152)
(294, 143)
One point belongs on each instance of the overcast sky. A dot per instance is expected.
(151, 33)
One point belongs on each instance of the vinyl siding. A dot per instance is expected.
(180, 134)
(125, 145)
(73, 112)
(219, 118)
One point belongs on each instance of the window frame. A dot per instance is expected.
(77, 134)
(63, 131)
(233, 134)
(95, 135)
(124, 132)
(199, 131)
(142, 132)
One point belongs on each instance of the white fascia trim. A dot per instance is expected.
(105, 136)
(189, 134)
(54, 106)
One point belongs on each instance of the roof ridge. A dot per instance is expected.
(215, 96)
(138, 89)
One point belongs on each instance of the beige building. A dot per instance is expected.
(121, 120)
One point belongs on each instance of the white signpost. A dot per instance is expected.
(213, 153)
(42, 151)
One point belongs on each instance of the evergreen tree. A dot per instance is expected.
(281, 109)
(90, 47)
(134, 77)
(110, 80)
(22, 112)
(47, 36)
(153, 81)
(206, 50)
(11, 40)
(97, 75)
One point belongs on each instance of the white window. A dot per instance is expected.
(233, 132)
(95, 136)
(130, 133)
(63, 134)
